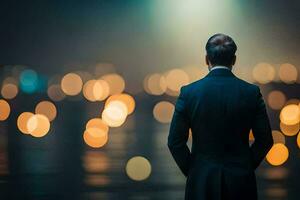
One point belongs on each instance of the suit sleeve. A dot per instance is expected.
(262, 132)
(179, 133)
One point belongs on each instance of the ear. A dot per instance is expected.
(206, 60)
(234, 60)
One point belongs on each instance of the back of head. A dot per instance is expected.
(220, 50)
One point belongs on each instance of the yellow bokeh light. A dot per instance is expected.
(298, 140)
(155, 84)
(163, 111)
(289, 130)
(96, 90)
(278, 154)
(23, 120)
(138, 168)
(9, 91)
(71, 84)
(278, 137)
(4, 110)
(95, 137)
(116, 83)
(195, 72)
(276, 99)
(46, 108)
(127, 99)
(55, 92)
(288, 73)
(97, 123)
(263, 73)
(176, 78)
(290, 114)
(115, 113)
(38, 125)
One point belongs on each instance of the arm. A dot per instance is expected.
(262, 132)
(179, 133)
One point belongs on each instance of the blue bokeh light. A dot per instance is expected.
(29, 81)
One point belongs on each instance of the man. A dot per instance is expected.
(220, 110)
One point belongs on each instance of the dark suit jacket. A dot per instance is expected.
(220, 109)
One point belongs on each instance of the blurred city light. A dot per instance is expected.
(55, 92)
(46, 108)
(278, 137)
(71, 84)
(290, 114)
(23, 120)
(29, 81)
(4, 110)
(163, 111)
(276, 99)
(127, 99)
(95, 137)
(96, 90)
(263, 73)
(9, 90)
(278, 154)
(38, 125)
(115, 113)
(138, 168)
(288, 73)
(116, 83)
(289, 130)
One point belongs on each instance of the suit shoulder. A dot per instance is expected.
(192, 85)
(249, 85)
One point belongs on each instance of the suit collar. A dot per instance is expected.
(220, 72)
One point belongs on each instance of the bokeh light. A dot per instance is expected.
(288, 73)
(263, 73)
(55, 92)
(289, 130)
(138, 168)
(46, 108)
(4, 110)
(9, 90)
(196, 72)
(97, 123)
(298, 140)
(38, 125)
(29, 81)
(127, 99)
(96, 90)
(95, 162)
(276, 99)
(163, 111)
(155, 84)
(23, 120)
(71, 84)
(278, 154)
(176, 78)
(95, 137)
(115, 113)
(278, 137)
(116, 83)
(290, 114)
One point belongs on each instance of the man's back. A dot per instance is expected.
(220, 109)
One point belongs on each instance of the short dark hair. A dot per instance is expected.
(220, 49)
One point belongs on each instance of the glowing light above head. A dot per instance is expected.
(55, 93)
(95, 137)
(127, 99)
(9, 91)
(289, 130)
(263, 73)
(276, 99)
(29, 81)
(278, 154)
(23, 120)
(97, 123)
(115, 113)
(71, 84)
(116, 83)
(96, 90)
(138, 168)
(163, 111)
(4, 110)
(288, 73)
(38, 125)
(278, 137)
(155, 84)
(176, 78)
(46, 108)
(290, 114)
